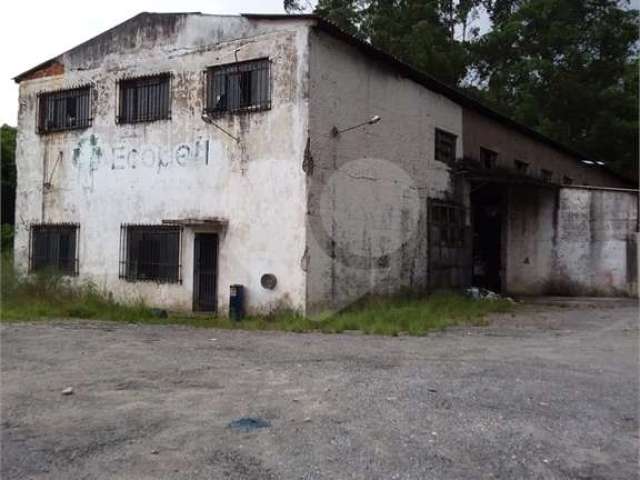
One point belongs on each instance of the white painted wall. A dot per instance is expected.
(112, 174)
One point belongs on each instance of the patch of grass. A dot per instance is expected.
(377, 316)
(47, 295)
(51, 296)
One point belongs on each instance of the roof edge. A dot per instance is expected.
(437, 86)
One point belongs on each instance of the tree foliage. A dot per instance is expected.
(568, 68)
(8, 160)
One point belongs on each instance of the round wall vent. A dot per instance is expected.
(269, 281)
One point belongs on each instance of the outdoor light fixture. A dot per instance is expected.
(335, 131)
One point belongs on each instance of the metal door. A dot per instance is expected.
(205, 272)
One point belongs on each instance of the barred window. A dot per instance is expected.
(445, 146)
(546, 175)
(64, 109)
(238, 87)
(150, 252)
(145, 99)
(54, 247)
(488, 158)
(447, 223)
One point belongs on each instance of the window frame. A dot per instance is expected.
(440, 134)
(521, 167)
(450, 219)
(136, 83)
(546, 175)
(130, 268)
(222, 70)
(493, 157)
(71, 270)
(43, 105)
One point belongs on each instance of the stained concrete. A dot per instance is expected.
(113, 174)
(572, 241)
(367, 196)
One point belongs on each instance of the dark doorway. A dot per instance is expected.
(205, 272)
(487, 202)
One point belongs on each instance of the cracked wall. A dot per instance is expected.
(113, 174)
(368, 187)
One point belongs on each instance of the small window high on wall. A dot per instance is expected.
(64, 109)
(54, 247)
(144, 99)
(445, 146)
(488, 158)
(238, 87)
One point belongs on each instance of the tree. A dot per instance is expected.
(419, 32)
(8, 160)
(568, 68)
(8, 157)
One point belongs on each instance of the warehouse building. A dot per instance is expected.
(177, 155)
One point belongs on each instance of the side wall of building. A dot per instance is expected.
(511, 145)
(111, 174)
(572, 241)
(368, 187)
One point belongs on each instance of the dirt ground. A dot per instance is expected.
(550, 393)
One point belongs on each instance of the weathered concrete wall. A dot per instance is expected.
(573, 241)
(529, 239)
(368, 188)
(112, 174)
(596, 243)
(510, 145)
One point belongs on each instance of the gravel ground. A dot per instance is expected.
(546, 393)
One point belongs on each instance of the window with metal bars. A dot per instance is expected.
(238, 87)
(64, 109)
(445, 146)
(447, 223)
(54, 247)
(145, 99)
(150, 252)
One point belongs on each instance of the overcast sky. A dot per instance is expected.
(33, 31)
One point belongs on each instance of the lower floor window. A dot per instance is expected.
(54, 247)
(150, 252)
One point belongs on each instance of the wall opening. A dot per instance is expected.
(205, 272)
(488, 214)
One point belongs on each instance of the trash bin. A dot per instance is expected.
(236, 302)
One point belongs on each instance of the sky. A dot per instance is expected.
(34, 31)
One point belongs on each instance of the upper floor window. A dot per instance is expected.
(150, 252)
(54, 247)
(445, 146)
(521, 167)
(547, 175)
(64, 109)
(488, 158)
(238, 87)
(145, 99)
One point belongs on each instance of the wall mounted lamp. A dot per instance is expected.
(335, 131)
